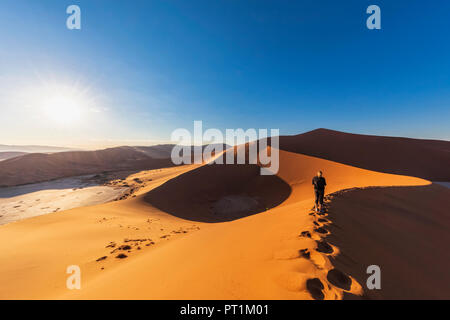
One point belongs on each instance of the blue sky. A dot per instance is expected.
(148, 67)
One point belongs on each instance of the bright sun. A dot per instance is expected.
(63, 109)
(63, 105)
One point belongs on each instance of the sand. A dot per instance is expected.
(39, 249)
(403, 230)
(22, 202)
(265, 255)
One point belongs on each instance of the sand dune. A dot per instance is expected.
(428, 159)
(260, 256)
(255, 257)
(9, 155)
(225, 232)
(37, 251)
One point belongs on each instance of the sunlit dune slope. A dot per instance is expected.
(37, 251)
(428, 159)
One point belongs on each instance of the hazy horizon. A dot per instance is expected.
(147, 143)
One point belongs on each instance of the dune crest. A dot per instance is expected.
(427, 159)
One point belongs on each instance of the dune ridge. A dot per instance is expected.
(427, 159)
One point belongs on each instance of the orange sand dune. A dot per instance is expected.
(258, 256)
(428, 159)
(37, 251)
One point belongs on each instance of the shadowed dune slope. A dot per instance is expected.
(215, 193)
(403, 230)
(428, 159)
(39, 167)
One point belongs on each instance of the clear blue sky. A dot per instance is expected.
(148, 67)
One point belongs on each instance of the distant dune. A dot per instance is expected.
(428, 159)
(162, 151)
(9, 155)
(37, 167)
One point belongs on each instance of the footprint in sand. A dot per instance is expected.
(315, 287)
(324, 247)
(121, 256)
(339, 279)
(322, 213)
(304, 253)
(321, 230)
(111, 245)
(305, 234)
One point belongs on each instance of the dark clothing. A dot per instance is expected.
(319, 188)
(319, 183)
(319, 196)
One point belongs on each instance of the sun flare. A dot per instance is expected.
(61, 105)
(63, 109)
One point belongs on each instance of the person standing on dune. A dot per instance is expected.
(319, 184)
